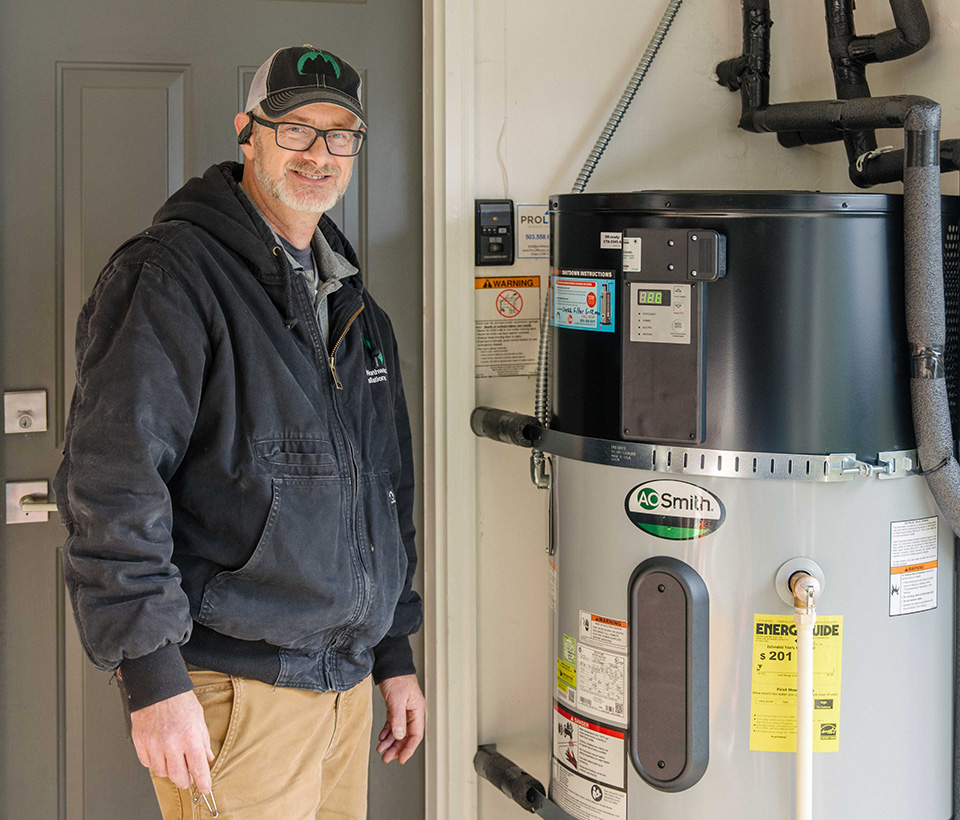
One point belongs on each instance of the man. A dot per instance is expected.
(237, 480)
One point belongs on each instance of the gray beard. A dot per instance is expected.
(310, 204)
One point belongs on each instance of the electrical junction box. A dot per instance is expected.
(494, 231)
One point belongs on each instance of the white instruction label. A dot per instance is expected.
(611, 240)
(585, 799)
(507, 311)
(595, 751)
(631, 254)
(913, 565)
(602, 683)
(607, 633)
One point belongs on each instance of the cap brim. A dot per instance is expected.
(283, 102)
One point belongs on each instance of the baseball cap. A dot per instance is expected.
(301, 75)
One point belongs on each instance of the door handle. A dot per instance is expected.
(28, 502)
(37, 503)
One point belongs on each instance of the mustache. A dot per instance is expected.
(326, 170)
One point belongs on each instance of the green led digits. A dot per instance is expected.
(654, 297)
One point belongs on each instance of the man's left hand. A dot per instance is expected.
(403, 730)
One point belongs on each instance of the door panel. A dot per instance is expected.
(109, 106)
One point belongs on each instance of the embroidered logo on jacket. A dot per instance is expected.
(378, 373)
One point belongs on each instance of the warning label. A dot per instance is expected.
(583, 304)
(607, 633)
(507, 325)
(913, 565)
(586, 799)
(595, 751)
(602, 683)
(773, 702)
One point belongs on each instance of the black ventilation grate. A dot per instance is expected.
(951, 287)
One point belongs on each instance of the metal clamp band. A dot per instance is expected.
(725, 463)
(926, 362)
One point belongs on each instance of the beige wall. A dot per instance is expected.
(548, 74)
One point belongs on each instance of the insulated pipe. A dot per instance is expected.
(849, 76)
(805, 589)
(923, 250)
(912, 33)
(750, 73)
(502, 425)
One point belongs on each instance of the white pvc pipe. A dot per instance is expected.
(805, 619)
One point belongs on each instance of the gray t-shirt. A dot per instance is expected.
(322, 269)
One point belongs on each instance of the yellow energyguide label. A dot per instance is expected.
(773, 699)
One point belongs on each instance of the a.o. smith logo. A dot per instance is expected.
(675, 510)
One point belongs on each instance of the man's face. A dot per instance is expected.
(310, 181)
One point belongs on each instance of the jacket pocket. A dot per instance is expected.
(301, 579)
(295, 455)
(385, 549)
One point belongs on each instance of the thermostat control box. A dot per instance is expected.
(494, 232)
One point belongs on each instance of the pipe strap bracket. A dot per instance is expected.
(926, 362)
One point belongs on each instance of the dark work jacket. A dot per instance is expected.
(238, 494)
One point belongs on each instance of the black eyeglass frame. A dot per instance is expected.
(316, 133)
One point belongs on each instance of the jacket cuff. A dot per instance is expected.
(155, 677)
(392, 657)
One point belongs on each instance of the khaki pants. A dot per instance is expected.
(280, 753)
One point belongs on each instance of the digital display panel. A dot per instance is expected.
(653, 297)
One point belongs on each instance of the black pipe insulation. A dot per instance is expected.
(503, 426)
(917, 115)
(911, 33)
(849, 55)
(750, 73)
(849, 77)
(521, 787)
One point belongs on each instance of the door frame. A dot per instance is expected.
(450, 539)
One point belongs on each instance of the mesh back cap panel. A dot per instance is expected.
(302, 75)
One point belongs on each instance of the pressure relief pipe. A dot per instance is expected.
(806, 590)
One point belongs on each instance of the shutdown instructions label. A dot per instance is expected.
(507, 314)
(583, 304)
(773, 701)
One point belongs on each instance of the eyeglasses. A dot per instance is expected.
(296, 136)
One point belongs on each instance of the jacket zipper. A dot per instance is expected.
(362, 602)
(333, 351)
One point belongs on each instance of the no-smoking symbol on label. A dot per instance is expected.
(509, 303)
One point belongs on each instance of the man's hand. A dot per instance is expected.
(172, 739)
(403, 730)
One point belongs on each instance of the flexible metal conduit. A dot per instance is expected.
(538, 463)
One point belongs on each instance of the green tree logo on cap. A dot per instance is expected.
(311, 56)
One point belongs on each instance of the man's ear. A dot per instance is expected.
(244, 125)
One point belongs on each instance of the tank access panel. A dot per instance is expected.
(664, 317)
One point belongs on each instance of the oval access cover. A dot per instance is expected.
(675, 510)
